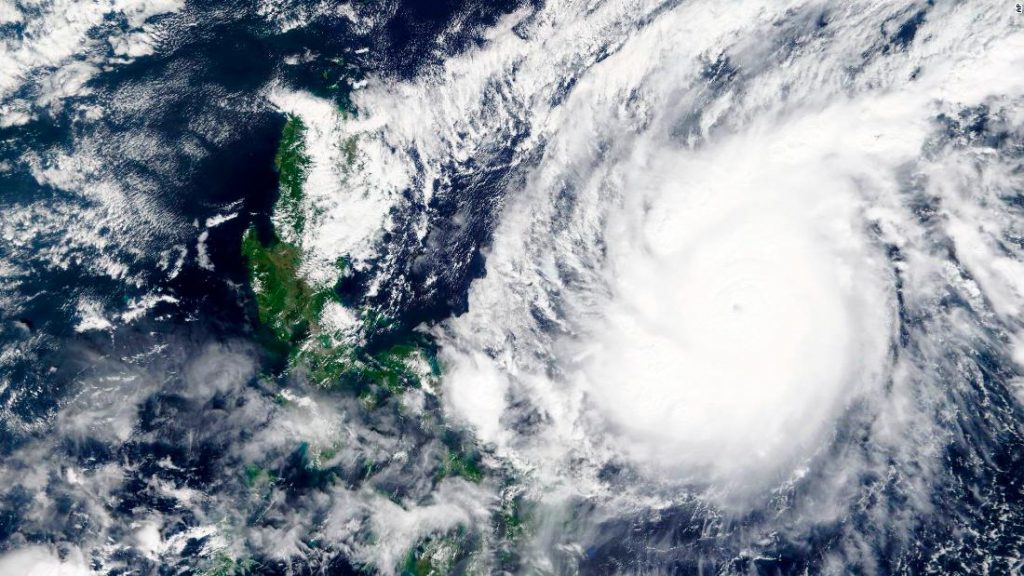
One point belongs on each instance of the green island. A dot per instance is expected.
(289, 312)
(451, 553)
(290, 309)
(225, 565)
(292, 165)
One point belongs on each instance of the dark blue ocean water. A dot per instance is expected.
(202, 89)
(188, 132)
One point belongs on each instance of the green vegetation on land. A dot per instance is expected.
(256, 476)
(286, 303)
(513, 517)
(461, 463)
(292, 165)
(290, 308)
(224, 565)
(442, 555)
(328, 363)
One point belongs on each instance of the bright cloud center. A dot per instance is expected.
(745, 307)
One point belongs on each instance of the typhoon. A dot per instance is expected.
(551, 287)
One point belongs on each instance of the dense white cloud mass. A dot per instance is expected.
(743, 305)
(38, 561)
(721, 252)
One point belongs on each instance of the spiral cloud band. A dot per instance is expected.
(723, 260)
